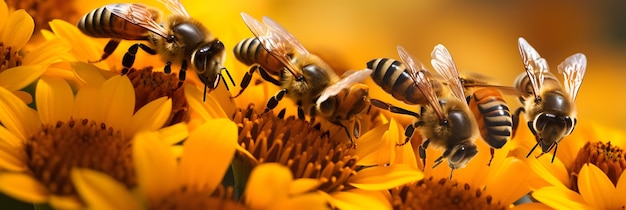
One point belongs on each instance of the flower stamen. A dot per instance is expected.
(151, 85)
(295, 143)
(8, 57)
(441, 194)
(56, 149)
(46, 11)
(609, 158)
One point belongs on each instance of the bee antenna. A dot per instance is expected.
(554, 154)
(533, 149)
(451, 170)
(230, 77)
(204, 95)
(438, 161)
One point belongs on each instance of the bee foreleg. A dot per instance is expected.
(273, 102)
(182, 74)
(387, 106)
(108, 49)
(492, 151)
(422, 151)
(515, 119)
(129, 57)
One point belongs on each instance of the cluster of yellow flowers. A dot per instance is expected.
(75, 134)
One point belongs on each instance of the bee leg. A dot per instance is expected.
(300, 111)
(515, 119)
(273, 102)
(281, 114)
(182, 74)
(129, 57)
(556, 146)
(387, 106)
(422, 151)
(108, 49)
(492, 152)
(312, 113)
(345, 128)
(533, 149)
(245, 81)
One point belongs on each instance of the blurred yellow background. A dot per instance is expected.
(481, 36)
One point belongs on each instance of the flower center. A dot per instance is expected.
(151, 85)
(610, 159)
(9, 58)
(186, 198)
(45, 11)
(303, 148)
(56, 149)
(441, 194)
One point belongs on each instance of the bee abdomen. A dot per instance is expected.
(250, 51)
(101, 23)
(391, 75)
(493, 116)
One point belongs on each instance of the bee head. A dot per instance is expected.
(551, 128)
(461, 154)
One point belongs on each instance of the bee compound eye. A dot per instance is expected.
(327, 107)
(458, 155)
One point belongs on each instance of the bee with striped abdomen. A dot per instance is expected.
(181, 39)
(490, 109)
(548, 106)
(444, 121)
(303, 77)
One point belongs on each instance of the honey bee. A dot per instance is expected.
(180, 40)
(444, 122)
(548, 106)
(490, 110)
(303, 77)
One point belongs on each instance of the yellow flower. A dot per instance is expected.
(477, 186)
(16, 70)
(597, 191)
(92, 129)
(166, 183)
(309, 153)
(588, 166)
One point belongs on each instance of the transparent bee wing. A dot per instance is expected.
(138, 14)
(175, 7)
(534, 64)
(345, 82)
(273, 41)
(444, 65)
(417, 71)
(573, 70)
(283, 36)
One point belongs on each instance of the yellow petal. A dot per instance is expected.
(48, 52)
(385, 177)
(55, 100)
(19, 77)
(368, 145)
(88, 74)
(151, 116)
(85, 102)
(595, 187)
(155, 166)
(12, 155)
(559, 197)
(360, 199)
(310, 201)
(500, 184)
(83, 46)
(64, 202)
(532, 206)
(23, 187)
(4, 13)
(386, 151)
(24, 96)
(214, 140)
(303, 185)
(100, 191)
(554, 173)
(209, 109)
(268, 183)
(173, 134)
(18, 118)
(116, 102)
(18, 29)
